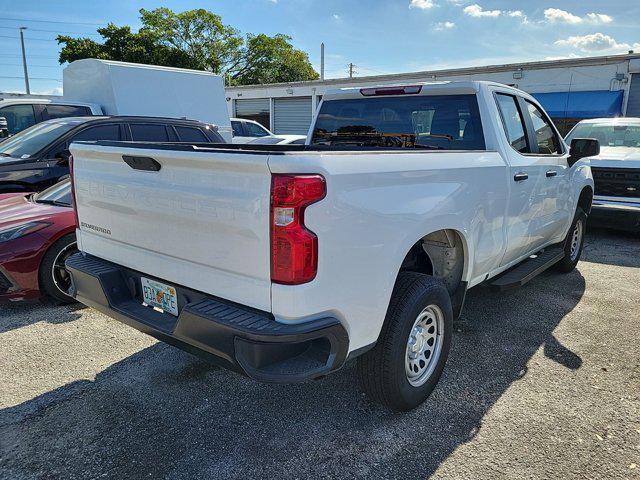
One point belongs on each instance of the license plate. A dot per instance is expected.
(160, 295)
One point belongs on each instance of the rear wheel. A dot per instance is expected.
(55, 281)
(574, 242)
(404, 367)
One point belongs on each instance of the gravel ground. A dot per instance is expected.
(542, 382)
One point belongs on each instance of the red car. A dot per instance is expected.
(37, 234)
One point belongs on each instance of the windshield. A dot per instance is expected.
(609, 135)
(28, 142)
(442, 122)
(59, 194)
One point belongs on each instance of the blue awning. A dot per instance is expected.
(591, 104)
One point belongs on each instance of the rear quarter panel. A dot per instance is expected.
(377, 206)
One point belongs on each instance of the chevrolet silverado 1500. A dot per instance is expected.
(283, 262)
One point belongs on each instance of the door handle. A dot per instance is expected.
(551, 173)
(142, 163)
(520, 177)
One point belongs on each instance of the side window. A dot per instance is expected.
(62, 111)
(191, 134)
(513, 122)
(546, 138)
(237, 129)
(148, 132)
(254, 130)
(18, 117)
(99, 132)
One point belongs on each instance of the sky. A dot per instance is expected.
(378, 36)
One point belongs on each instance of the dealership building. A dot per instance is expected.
(570, 90)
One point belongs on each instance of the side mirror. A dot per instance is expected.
(63, 157)
(581, 148)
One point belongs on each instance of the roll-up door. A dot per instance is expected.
(256, 109)
(292, 115)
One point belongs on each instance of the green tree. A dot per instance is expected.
(196, 39)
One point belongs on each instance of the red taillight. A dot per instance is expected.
(408, 90)
(294, 248)
(73, 191)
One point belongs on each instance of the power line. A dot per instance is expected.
(20, 56)
(30, 38)
(54, 31)
(32, 78)
(30, 65)
(51, 21)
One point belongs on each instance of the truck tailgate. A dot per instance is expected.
(200, 221)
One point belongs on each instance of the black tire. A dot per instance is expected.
(381, 370)
(50, 282)
(569, 262)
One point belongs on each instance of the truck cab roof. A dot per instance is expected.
(416, 88)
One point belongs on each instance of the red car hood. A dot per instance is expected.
(16, 208)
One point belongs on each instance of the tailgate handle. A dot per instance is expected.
(147, 164)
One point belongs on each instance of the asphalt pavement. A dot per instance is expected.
(542, 382)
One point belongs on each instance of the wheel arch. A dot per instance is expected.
(585, 199)
(443, 253)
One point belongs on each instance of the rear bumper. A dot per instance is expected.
(240, 338)
(620, 214)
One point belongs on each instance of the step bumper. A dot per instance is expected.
(237, 337)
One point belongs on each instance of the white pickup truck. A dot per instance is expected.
(283, 262)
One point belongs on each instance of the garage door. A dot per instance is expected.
(292, 115)
(253, 109)
(633, 104)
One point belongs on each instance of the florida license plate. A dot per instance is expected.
(160, 295)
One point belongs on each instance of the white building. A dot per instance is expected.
(570, 90)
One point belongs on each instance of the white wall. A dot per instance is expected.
(561, 79)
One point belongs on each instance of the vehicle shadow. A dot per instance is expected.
(21, 314)
(162, 413)
(612, 247)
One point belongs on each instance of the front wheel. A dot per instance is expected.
(404, 367)
(574, 242)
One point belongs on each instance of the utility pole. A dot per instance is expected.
(322, 61)
(24, 60)
(351, 67)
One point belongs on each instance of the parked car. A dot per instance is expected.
(282, 262)
(616, 170)
(36, 158)
(37, 234)
(22, 113)
(246, 130)
(280, 140)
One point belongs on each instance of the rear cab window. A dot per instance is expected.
(438, 122)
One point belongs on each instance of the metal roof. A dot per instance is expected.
(568, 62)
